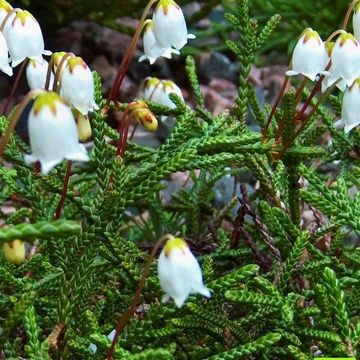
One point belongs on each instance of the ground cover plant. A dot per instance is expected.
(90, 247)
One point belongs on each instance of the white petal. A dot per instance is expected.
(292, 73)
(170, 29)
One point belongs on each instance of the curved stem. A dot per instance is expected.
(129, 313)
(348, 13)
(304, 123)
(57, 84)
(15, 118)
(300, 90)
(134, 130)
(114, 92)
(7, 17)
(276, 104)
(64, 190)
(121, 130)
(15, 86)
(335, 33)
(48, 74)
(298, 95)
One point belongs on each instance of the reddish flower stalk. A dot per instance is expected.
(129, 313)
(275, 106)
(122, 130)
(348, 13)
(64, 190)
(14, 87)
(115, 89)
(15, 118)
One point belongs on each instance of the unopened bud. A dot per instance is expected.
(139, 111)
(14, 251)
(83, 126)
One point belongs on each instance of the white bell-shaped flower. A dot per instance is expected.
(52, 133)
(309, 56)
(179, 272)
(4, 57)
(159, 90)
(169, 25)
(345, 60)
(152, 50)
(356, 21)
(77, 85)
(24, 38)
(36, 72)
(5, 8)
(329, 80)
(350, 107)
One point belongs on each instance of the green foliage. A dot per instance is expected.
(283, 269)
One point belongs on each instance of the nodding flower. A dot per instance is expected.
(77, 85)
(24, 38)
(350, 107)
(52, 133)
(309, 57)
(152, 50)
(159, 90)
(179, 272)
(169, 25)
(36, 72)
(345, 60)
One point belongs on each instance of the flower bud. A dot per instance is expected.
(350, 107)
(179, 272)
(309, 56)
(4, 57)
(152, 50)
(140, 112)
(83, 127)
(24, 38)
(52, 133)
(14, 251)
(36, 72)
(345, 59)
(169, 25)
(159, 90)
(77, 85)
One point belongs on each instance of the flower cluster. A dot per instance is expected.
(166, 33)
(337, 62)
(53, 130)
(20, 37)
